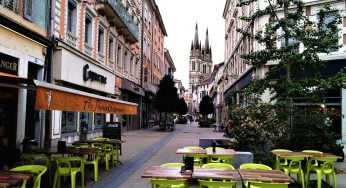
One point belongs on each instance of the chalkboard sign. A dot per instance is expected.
(113, 125)
(112, 130)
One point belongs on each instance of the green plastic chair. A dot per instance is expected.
(268, 185)
(219, 159)
(101, 138)
(279, 161)
(38, 169)
(108, 153)
(172, 165)
(295, 167)
(212, 182)
(37, 159)
(216, 184)
(325, 167)
(176, 183)
(255, 166)
(312, 162)
(219, 165)
(169, 183)
(198, 158)
(69, 166)
(93, 160)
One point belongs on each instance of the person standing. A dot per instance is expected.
(229, 128)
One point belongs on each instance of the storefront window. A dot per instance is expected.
(85, 121)
(68, 122)
(99, 121)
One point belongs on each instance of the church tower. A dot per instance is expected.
(200, 65)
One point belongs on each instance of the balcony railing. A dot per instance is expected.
(88, 49)
(10, 4)
(71, 39)
(119, 17)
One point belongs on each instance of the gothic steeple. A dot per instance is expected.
(196, 38)
(206, 42)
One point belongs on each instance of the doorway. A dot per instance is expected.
(8, 115)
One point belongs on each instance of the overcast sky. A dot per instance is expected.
(180, 18)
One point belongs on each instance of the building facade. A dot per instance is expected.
(93, 55)
(25, 51)
(200, 68)
(168, 65)
(153, 71)
(180, 88)
(216, 93)
(241, 74)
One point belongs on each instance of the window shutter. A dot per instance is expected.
(28, 9)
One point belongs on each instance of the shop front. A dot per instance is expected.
(18, 118)
(89, 98)
(149, 112)
(131, 92)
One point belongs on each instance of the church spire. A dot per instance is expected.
(206, 41)
(196, 37)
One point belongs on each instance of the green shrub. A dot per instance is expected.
(257, 128)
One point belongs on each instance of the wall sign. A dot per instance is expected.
(93, 76)
(8, 64)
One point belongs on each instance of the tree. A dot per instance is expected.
(166, 98)
(182, 107)
(206, 107)
(294, 73)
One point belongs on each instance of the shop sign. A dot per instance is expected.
(8, 64)
(68, 100)
(93, 76)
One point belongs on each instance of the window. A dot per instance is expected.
(119, 56)
(126, 61)
(88, 29)
(85, 121)
(100, 120)
(148, 50)
(145, 45)
(71, 16)
(137, 67)
(204, 68)
(101, 40)
(145, 14)
(193, 65)
(131, 65)
(149, 22)
(291, 42)
(68, 122)
(111, 49)
(28, 9)
(328, 19)
(146, 75)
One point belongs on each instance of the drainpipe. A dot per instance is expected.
(46, 114)
(141, 73)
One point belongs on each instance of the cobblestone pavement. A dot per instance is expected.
(148, 147)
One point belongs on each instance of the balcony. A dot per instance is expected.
(11, 5)
(119, 17)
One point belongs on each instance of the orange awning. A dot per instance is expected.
(10, 80)
(53, 97)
